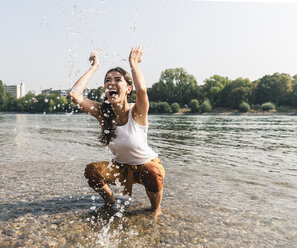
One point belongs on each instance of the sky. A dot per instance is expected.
(47, 43)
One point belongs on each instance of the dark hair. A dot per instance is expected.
(108, 124)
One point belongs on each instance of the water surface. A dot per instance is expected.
(231, 181)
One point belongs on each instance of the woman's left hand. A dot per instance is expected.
(136, 55)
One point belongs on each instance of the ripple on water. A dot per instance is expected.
(230, 182)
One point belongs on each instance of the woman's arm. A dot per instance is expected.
(141, 107)
(75, 94)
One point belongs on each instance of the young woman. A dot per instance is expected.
(124, 130)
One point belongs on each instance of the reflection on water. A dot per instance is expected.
(231, 181)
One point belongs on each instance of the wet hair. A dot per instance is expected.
(108, 125)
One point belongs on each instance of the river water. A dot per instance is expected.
(231, 181)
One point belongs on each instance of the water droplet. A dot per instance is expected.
(69, 113)
(93, 198)
(133, 28)
(93, 207)
(106, 131)
(118, 214)
(45, 100)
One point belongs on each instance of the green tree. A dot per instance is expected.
(10, 103)
(174, 85)
(267, 106)
(205, 106)
(276, 88)
(153, 107)
(42, 103)
(163, 107)
(244, 107)
(294, 91)
(238, 91)
(26, 103)
(194, 105)
(60, 104)
(212, 88)
(175, 107)
(95, 94)
(3, 97)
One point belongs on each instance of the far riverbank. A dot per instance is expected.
(226, 111)
(187, 111)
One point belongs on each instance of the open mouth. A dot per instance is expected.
(113, 93)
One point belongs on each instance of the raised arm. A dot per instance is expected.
(75, 94)
(140, 111)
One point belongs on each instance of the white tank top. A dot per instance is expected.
(130, 145)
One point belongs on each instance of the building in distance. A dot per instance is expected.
(64, 93)
(16, 91)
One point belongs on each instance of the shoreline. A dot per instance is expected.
(225, 111)
(185, 112)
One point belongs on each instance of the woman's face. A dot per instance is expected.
(116, 87)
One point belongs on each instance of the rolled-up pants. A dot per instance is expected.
(150, 174)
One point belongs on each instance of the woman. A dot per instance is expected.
(124, 130)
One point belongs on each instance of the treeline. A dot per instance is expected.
(35, 103)
(176, 86)
(177, 89)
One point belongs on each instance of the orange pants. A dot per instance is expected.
(150, 174)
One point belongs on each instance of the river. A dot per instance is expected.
(231, 181)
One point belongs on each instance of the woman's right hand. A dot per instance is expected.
(94, 58)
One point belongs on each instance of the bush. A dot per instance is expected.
(283, 108)
(153, 107)
(267, 106)
(163, 107)
(194, 105)
(244, 107)
(175, 107)
(205, 106)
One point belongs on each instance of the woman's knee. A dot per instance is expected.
(152, 178)
(94, 176)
